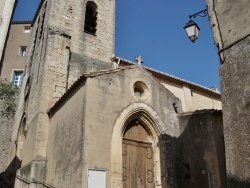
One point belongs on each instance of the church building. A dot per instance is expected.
(87, 118)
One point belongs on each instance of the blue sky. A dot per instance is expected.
(154, 30)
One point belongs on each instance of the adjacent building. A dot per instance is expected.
(231, 27)
(16, 51)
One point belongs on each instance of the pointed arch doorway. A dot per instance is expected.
(137, 157)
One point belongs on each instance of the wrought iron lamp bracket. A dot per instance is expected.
(201, 13)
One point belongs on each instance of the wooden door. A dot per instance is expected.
(137, 158)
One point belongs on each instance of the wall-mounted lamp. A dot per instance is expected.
(191, 28)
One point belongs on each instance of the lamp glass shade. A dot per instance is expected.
(192, 30)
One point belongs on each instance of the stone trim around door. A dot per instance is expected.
(151, 120)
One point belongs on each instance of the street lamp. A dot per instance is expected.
(191, 28)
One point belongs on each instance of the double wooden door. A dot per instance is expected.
(137, 158)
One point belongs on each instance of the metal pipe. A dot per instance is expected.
(209, 179)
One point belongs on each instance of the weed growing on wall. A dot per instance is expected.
(8, 95)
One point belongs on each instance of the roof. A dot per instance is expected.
(210, 111)
(163, 75)
(131, 65)
(83, 77)
(22, 22)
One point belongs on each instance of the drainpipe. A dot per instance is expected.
(209, 180)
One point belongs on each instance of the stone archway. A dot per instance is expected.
(151, 123)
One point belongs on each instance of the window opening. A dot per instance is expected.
(90, 18)
(175, 107)
(22, 51)
(138, 92)
(17, 78)
(27, 29)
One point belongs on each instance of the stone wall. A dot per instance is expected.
(5, 138)
(201, 145)
(193, 99)
(231, 27)
(6, 125)
(65, 144)
(229, 21)
(235, 79)
(170, 157)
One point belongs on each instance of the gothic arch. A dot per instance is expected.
(152, 122)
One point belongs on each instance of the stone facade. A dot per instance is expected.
(231, 28)
(87, 134)
(202, 146)
(77, 141)
(76, 104)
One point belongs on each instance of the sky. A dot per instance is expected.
(154, 30)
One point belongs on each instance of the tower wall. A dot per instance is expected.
(60, 52)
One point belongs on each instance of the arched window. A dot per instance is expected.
(90, 18)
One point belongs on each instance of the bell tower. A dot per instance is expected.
(71, 38)
(90, 27)
(68, 38)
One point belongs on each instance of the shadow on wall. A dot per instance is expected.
(197, 158)
(7, 178)
(233, 183)
(170, 158)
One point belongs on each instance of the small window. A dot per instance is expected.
(26, 29)
(22, 50)
(17, 78)
(141, 90)
(90, 18)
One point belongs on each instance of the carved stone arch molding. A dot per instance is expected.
(22, 132)
(152, 122)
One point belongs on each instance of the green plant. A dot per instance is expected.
(8, 95)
